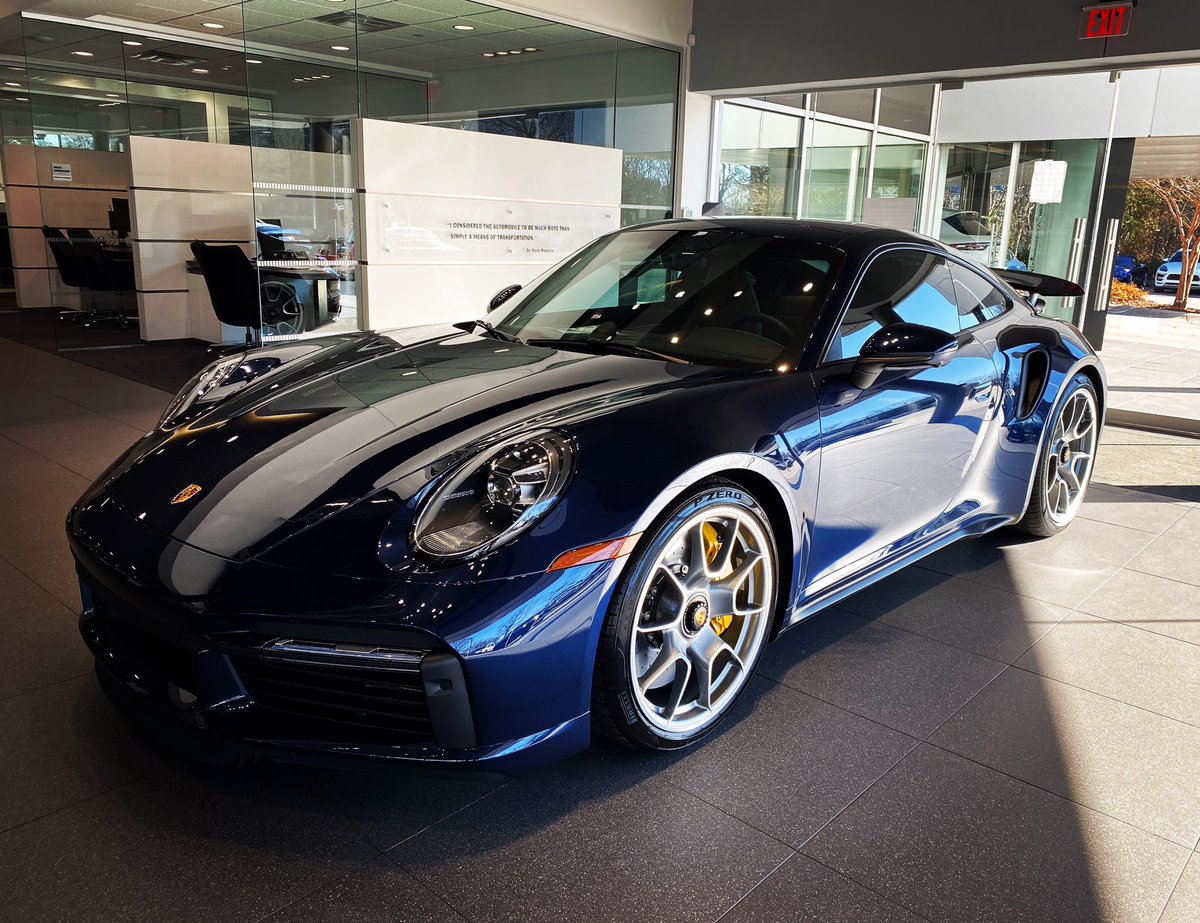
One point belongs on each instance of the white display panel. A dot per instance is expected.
(447, 217)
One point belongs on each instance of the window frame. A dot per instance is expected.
(997, 284)
(881, 251)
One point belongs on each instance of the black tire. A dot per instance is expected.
(1037, 519)
(615, 713)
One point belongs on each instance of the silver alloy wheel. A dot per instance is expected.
(1072, 449)
(702, 616)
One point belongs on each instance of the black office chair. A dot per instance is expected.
(81, 264)
(239, 300)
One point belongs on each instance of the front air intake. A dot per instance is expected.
(362, 692)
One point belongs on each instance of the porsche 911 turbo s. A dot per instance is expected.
(473, 545)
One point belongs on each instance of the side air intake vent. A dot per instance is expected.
(1033, 381)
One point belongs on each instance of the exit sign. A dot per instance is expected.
(1103, 20)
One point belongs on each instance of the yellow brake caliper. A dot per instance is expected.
(712, 544)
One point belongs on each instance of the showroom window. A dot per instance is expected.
(841, 155)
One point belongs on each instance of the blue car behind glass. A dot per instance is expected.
(473, 545)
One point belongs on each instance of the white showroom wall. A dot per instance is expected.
(663, 21)
(448, 217)
(1157, 101)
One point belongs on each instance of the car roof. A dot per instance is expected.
(852, 237)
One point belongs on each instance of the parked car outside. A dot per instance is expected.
(1126, 268)
(1169, 272)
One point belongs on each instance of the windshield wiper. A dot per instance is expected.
(497, 334)
(602, 347)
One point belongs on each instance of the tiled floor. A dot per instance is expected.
(1152, 358)
(1010, 731)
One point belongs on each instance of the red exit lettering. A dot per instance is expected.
(1105, 21)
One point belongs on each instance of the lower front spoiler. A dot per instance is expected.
(192, 735)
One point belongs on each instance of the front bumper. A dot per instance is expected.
(491, 677)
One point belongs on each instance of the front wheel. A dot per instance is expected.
(1065, 464)
(688, 622)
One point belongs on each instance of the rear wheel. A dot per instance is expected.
(1065, 465)
(688, 623)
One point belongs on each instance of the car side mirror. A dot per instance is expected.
(502, 296)
(902, 346)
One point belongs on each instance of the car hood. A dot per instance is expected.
(354, 415)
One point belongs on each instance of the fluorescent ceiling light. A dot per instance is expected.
(463, 27)
(212, 25)
(339, 47)
(83, 54)
(132, 43)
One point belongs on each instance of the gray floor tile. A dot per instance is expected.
(1187, 527)
(812, 758)
(60, 745)
(1062, 569)
(1184, 905)
(86, 443)
(804, 891)
(1165, 607)
(964, 842)
(984, 620)
(19, 592)
(1114, 758)
(49, 564)
(173, 847)
(895, 677)
(1132, 509)
(41, 646)
(1138, 667)
(597, 837)
(379, 892)
(1172, 557)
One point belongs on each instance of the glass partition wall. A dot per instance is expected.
(995, 210)
(843, 155)
(271, 89)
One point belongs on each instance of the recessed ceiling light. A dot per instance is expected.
(531, 49)
(83, 54)
(515, 51)
(131, 43)
(9, 83)
(21, 99)
(339, 47)
(212, 25)
(113, 95)
(253, 61)
(199, 70)
(489, 54)
(501, 53)
(463, 27)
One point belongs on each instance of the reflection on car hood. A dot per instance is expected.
(362, 413)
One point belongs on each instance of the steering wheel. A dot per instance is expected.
(770, 320)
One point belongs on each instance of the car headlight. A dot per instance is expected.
(215, 382)
(494, 496)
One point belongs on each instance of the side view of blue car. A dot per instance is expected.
(473, 545)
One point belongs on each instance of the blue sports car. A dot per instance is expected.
(473, 545)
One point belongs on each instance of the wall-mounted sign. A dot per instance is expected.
(60, 172)
(1046, 186)
(1104, 20)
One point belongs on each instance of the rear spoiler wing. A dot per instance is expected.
(1037, 284)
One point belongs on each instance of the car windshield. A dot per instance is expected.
(1177, 257)
(968, 223)
(720, 296)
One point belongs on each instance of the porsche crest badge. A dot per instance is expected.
(186, 494)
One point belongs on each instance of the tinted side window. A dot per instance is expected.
(978, 300)
(903, 286)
